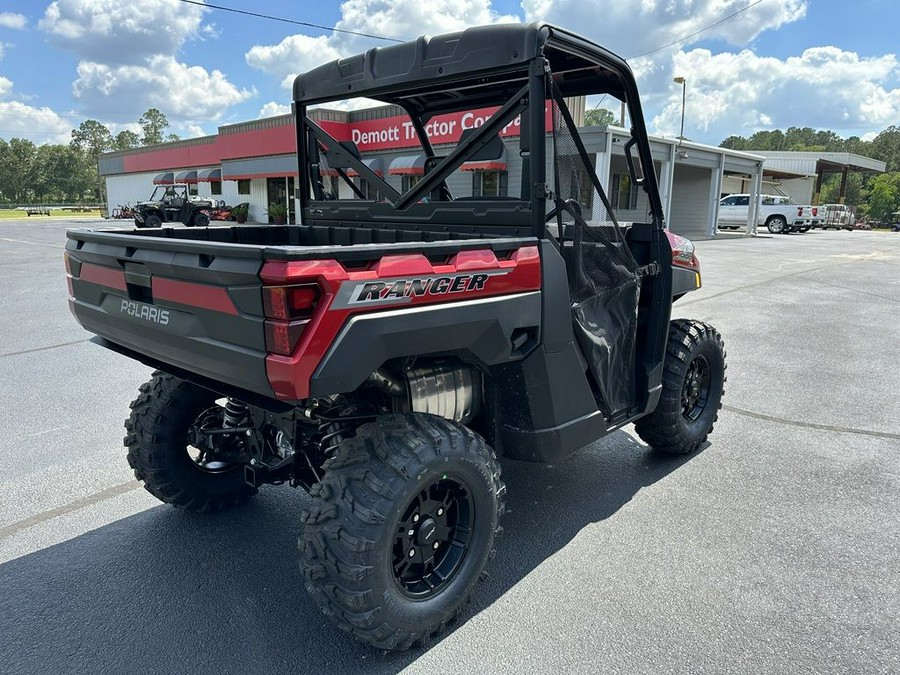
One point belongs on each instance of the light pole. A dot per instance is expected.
(683, 82)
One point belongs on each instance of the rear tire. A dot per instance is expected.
(776, 225)
(693, 386)
(152, 220)
(157, 440)
(201, 220)
(401, 527)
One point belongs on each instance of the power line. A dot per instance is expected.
(293, 21)
(702, 30)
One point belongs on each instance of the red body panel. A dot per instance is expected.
(290, 375)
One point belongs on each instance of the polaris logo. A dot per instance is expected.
(374, 291)
(145, 312)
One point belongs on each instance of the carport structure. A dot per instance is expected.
(821, 164)
(691, 177)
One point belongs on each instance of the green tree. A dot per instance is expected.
(153, 124)
(886, 147)
(599, 117)
(125, 140)
(884, 195)
(92, 138)
(17, 169)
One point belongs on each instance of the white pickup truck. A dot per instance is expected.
(779, 213)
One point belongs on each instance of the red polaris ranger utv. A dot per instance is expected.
(387, 353)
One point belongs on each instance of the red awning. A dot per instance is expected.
(164, 178)
(374, 163)
(209, 175)
(490, 157)
(189, 177)
(408, 165)
(484, 166)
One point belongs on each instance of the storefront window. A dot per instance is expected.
(215, 187)
(624, 192)
(408, 182)
(366, 189)
(489, 184)
(244, 187)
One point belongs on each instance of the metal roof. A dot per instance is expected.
(811, 162)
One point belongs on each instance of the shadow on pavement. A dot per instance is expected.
(171, 592)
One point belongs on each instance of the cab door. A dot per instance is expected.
(727, 216)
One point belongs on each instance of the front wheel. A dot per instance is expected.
(400, 528)
(152, 220)
(693, 386)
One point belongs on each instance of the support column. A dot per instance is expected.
(715, 190)
(666, 180)
(601, 167)
(843, 193)
(753, 211)
(820, 177)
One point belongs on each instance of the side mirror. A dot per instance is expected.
(630, 160)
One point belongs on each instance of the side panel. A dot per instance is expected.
(393, 283)
(485, 329)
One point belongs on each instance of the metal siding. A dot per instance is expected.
(128, 189)
(282, 165)
(800, 189)
(690, 200)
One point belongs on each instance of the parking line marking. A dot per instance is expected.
(812, 425)
(41, 349)
(43, 517)
(33, 243)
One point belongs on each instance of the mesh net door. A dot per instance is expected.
(604, 283)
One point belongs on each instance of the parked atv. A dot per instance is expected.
(387, 354)
(172, 204)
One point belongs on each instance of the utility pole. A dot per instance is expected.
(683, 82)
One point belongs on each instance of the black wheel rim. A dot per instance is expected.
(433, 538)
(200, 447)
(695, 393)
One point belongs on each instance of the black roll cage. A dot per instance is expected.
(520, 67)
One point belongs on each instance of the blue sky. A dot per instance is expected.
(780, 63)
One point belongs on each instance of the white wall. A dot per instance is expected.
(128, 189)
(258, 199)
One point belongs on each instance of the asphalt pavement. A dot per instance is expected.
(775, 549)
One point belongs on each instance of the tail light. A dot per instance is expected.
(288, 310)
(683, 252)
(799, 211)
(815, 211)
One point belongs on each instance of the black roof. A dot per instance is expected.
(408, 74)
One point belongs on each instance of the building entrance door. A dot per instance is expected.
(280, 193)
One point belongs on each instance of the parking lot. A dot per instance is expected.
(774, 549)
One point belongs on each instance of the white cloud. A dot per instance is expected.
(408, 19)
(272, 109)
(12, 20)
(40, 125)
(629, 28)
(294, 54)
(401, 19)
(111, 31)
(739, 93)
(192, 92)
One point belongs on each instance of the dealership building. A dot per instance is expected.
(255, 162)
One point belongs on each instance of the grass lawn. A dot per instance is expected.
(10, 214)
